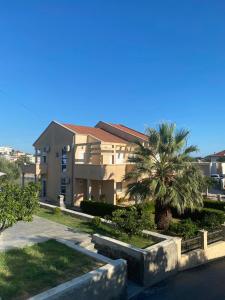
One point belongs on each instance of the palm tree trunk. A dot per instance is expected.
(163, 216)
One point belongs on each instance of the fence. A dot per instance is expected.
(215, 236)
(203, 240)
(191, 244)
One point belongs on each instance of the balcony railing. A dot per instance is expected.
(102, 172)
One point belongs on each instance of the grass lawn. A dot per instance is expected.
(33, 269)
(88, 227)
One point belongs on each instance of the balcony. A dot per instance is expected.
(36, 169)
(102, 172)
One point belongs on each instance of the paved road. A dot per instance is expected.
(203, 283)
(39, 230)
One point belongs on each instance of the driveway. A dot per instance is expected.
(39, 230)
(202, 283)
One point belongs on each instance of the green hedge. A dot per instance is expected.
(102, 209)
(214, 204)
(99, 209)
(206, 218)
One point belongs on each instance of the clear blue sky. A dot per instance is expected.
(123, 61)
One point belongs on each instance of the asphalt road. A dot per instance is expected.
(202, 283)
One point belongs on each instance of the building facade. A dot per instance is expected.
(81, 162)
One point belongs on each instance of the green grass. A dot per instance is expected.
(88, 227)
(33, 269)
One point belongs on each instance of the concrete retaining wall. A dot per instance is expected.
(107, 282)
(72, 213)
(145, 266)
(198, 257)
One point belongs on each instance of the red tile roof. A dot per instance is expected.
(98, 133)
(130, 131)
(221, 153)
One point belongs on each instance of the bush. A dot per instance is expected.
(96, 221)
(132, 221)
(57, 211)
(186, 229)
(128, 221)
(214, 204)
(96, 208)
(210, 218)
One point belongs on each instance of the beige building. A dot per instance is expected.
(82, 162)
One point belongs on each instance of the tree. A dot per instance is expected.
(23, 160)
(11, 170)
(17, 203)
(164, 173)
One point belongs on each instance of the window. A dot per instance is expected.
(44, 188)
(63, 186)
(120, 158)
(64, 160)
(44, 158)
(119, 187)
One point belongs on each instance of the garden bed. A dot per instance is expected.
(33, 269)
(90, 228)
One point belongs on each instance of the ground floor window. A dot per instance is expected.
(44, 188)
(119, 187)
(63, 186)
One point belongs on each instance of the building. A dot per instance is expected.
(82, 162)
(217, 162)
(5, 150)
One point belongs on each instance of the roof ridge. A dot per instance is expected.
(132, 129)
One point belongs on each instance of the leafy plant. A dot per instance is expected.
(210, 219)
(164, 173)
(96, 221)
(128, 221)
(186, 228)
(11, 169)
(17, 203)
(57, 211)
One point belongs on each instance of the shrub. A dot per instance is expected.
(186, 228)
(147, 206)
(96, 221)
(210, 218)
(128, 221)
(214, 204)
(57, 211)
(96, 208)
(148, 219)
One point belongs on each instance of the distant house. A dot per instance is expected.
(216, 156)
(217, 162)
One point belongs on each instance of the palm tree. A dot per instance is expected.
(164, 173)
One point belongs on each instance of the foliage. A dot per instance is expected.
(17, 203)
(214, 204)
(11, 170)
(96, 208)
(132, 221)
(57, 211)
(87, 227)
(210, 219)
(96, 221)
(24, 159)
(185, 228)
(221, 159)
(127, 221)
(164, 173)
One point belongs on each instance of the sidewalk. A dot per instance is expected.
(39, 230)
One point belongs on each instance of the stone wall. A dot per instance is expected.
(145, 266)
